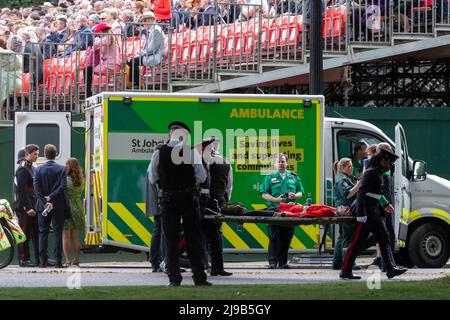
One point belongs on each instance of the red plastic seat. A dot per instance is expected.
(291, 30)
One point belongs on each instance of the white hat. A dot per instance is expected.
(148, 14)
(47, 4)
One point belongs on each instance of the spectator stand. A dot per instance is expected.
(205, 47)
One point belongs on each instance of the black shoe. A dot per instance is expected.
(272, 266)
(27, 264)
(203, 283)
(157, 269)
(59, 266)
(221, 273)
(43, 265)
(356, 267)
(284, 266)
(174, 284)
(348, 275)
(395, 271)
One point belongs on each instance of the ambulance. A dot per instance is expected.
(122, 130)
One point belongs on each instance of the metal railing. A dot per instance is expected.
(201, 46)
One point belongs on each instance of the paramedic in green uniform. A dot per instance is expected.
(345, 190)
(359, 154)
(280, 186)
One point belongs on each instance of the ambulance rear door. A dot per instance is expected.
(43, 128)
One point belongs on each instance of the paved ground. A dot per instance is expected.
(139, 273)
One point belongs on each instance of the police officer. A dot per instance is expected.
(25, 203)
(178, 169)
(280, 186)
(371, 208)
(215, 191)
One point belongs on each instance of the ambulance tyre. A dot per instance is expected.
(429, 245)
(7, 255)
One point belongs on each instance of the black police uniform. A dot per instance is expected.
(180, 200)
(367, 204)
(24, 200)
(217, 182)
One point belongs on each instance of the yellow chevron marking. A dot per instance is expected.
(413, 215)
(312, 231)
(441, 214)
(115, 233)
(131, 221)
(233, 238)
(142, 207)
(297, 244)
(259, 206)
(258, 234)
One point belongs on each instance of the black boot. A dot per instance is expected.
(348, 275)
(395, 271)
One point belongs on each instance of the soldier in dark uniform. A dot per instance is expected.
(178, 169)
(25, 204)
(214, 192)
(371, 208)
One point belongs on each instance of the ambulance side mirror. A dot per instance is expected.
(419, 170)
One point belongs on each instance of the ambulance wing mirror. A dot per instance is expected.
(419, 170)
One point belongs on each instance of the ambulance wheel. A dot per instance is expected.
(7, 255)
(429, 245)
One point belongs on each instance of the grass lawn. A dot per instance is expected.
(420, 290)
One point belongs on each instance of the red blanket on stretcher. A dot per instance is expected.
(312, 211)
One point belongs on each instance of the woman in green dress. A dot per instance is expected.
(73, 226)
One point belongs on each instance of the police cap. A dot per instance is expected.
(20, 155)
(388, 155)
(179, 125)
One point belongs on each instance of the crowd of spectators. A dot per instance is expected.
(58, 28)
(61, 22)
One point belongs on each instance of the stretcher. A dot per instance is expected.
(284, 221)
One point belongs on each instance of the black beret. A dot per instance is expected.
(20, 155)
(179, 125)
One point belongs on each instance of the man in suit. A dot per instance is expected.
(50, 187)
